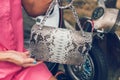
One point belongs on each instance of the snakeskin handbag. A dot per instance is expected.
(59, 45)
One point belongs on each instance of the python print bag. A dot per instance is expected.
(59, 45)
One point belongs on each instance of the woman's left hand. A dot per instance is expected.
(21, 58)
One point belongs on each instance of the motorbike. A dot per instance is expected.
(102, 55)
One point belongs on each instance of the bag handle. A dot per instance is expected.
(52, 5)
(70, 5)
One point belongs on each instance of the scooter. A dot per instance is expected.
(104, 55)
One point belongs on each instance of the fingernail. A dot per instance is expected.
(35, 62)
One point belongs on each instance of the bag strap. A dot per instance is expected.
(51, 7)
(70, 5)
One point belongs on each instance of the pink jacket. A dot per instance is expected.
(11, 38)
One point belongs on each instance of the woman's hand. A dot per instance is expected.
(21, 58)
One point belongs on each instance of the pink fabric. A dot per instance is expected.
(11, 38)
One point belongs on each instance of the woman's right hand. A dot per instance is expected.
(20, 58)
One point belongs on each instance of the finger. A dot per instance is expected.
(27, 53)
(31, 64)
(38, 62)
(28, 65)
(29, 60)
